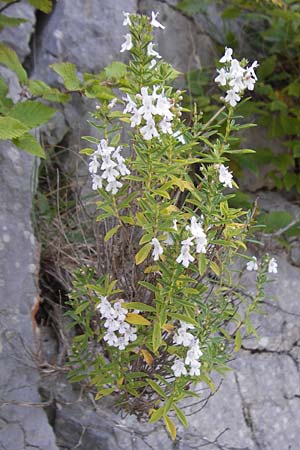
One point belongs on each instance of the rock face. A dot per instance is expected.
(257, 406)
(23, 422)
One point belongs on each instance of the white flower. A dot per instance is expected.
(127, 45)
(179, 368)
(252, 265)
(185, 257)
(237, 84)
(136, 118)
(131, 334)
(179, 136)
(96, 182)
(152, 63)
(195, 368)
(175, 224)
(272, 268)
(227, 56)
(110, 173)
(112, 103)
(151, 51)
(236, 70)
(149, 131)
(131, 105)
(111, 338)
(163, 106)
(127, 20)
(225, 177)
(155, 22)
(94, 164)
(113, 186)
(232, 97)
(104, 307)
(222, 77)
(183, 338)
(165, 126)
(198, 233)
(157, 249)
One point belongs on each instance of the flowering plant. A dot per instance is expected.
(165, 313)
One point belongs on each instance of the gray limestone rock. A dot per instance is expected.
(18, 38)
(23, 422)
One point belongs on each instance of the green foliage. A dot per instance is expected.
(43, 5)
(9, 58)
(68, 73)
(170, 181)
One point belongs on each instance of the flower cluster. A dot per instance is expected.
(150, 110)
(235, 78)
(112, 164)
(115, 323)
(198, 237)
(186, 339)
(252, 265)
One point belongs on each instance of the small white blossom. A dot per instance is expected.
(179, 136)
(149, 130)
(169, 240)
(252, 265)
(131, 105)
(232, 97)
(165, 126)
(195, 368)
(272, 268)
(151, 51)
(183, 337)
(154, 22)
(222, 77)
(113, 186)
(96, 182)
(227, 56)
(225, 177)
(127, 45)
(185, 257)
(178, 368)
(112, 103)
(157, 249)
(127, 20)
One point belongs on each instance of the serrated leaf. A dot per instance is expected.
(43, 5)
(11, 128)
(28, 143)
(31, 113)
(171, 428)
(111, 232)
(137, 319)
(142, 254)
(156, 414)
(181, 416)
(148, 358)
(9, 58)
(67, 71)
(40, 89)
(116, 70)
(138, 305)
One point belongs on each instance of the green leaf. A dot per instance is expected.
(40, 89)
(157, 388)
(156, 414)
(142, 254)
(111, 232)
(31, 113)
(274, 221)
(116, 70)
(184, 318)
(232, 12)
(215, 268)
(156, 337)
(43, 5)
(68, 73)
(237, 341)
(9, 58)
(82, 307)
(28, 143)
(170, 425)
(138, 305)
(115, 140)
(6, 21)
(202, 263)
(137, 319)
(181, 416)
(11, 128)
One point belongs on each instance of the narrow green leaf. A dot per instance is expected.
(181, 416)
(43, 5)
(111, 232)
(138, 305)
(156, 415)
(156, 337)
(237, 341)
(142, 254)
(170, 425)
(6, 21)
(184, 318)
(157, 388)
